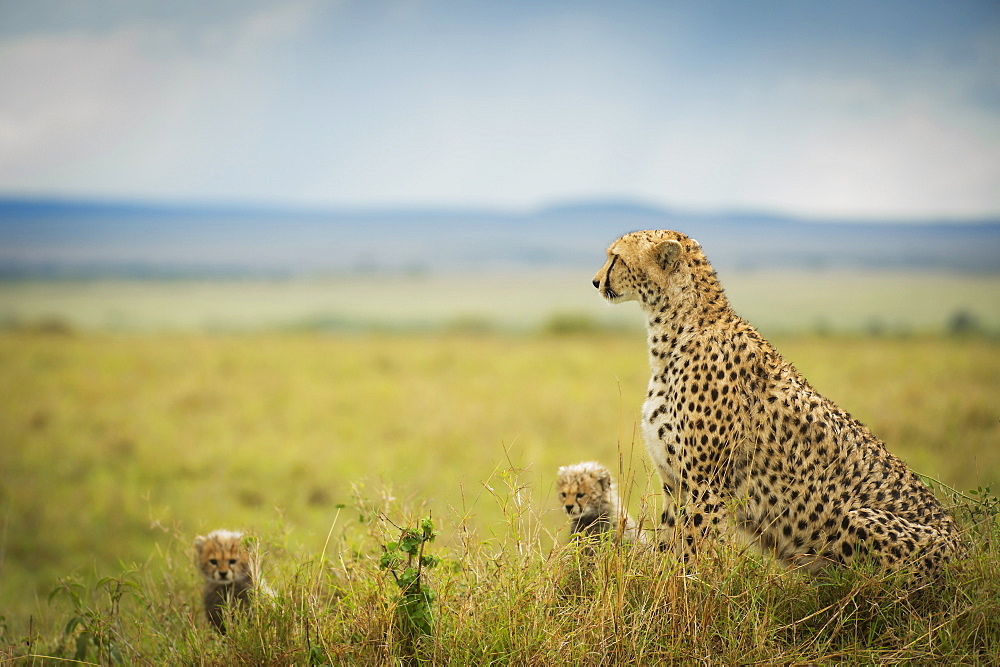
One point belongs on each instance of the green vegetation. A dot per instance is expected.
(405, 561)
(118, 449)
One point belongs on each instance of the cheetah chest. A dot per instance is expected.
(661, 436)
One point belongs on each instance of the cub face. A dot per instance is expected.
(222, 558)
(637, 260)
(583, 489)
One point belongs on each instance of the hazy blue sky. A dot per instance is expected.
(885, 108)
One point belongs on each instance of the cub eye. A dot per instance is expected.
(232, 561)
(579, 495)
(562, 494)
(213, 561)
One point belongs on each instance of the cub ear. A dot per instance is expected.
(666, 254)
(199, 542)
(604, 479)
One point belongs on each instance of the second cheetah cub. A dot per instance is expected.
(224, 563)
(590, 497)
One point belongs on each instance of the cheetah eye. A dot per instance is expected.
(562, 494)
(579, 495)
(232, 561)
(213, 561)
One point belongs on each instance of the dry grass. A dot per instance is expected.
(117, 450)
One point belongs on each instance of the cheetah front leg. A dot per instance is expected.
(693, 521)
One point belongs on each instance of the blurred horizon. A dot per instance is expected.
(116, 266)
(85, 239)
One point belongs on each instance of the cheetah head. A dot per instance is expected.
(584, 489)
(221, 557)
(640, 264)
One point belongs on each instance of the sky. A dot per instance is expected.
(887, 109)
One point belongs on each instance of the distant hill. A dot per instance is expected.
(53, 238)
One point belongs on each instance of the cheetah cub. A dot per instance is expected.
(590, 497)
(225, 565)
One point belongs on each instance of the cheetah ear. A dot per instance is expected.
(666, 254)
(199, 542)
(604, 480)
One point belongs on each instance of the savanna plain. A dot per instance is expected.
(357, 460)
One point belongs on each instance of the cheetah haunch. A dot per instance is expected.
(590, 497)
(742, 442)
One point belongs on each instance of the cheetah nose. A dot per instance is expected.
(597, 283)
(569, 509)
(223, 575)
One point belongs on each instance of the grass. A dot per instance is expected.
(119, 449)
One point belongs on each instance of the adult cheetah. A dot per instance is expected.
(743, 443)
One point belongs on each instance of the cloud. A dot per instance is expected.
(88, 109)
(842, 147)
(405, 103)
(62, 96)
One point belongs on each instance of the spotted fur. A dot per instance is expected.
(744, 445)
(224, 564)
(590, 497)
